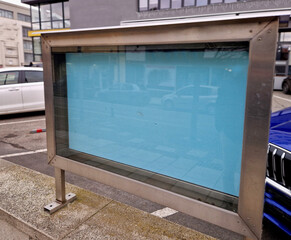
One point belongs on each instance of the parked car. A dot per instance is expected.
(286, 85)
(124, 93)
(182, 99)
(278, 80)
(278, 180)
(281, 72)
(21, 90)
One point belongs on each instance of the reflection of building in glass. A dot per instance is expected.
(47, 15)
(15, 44)
(168, 103)
(151, 5)
(283, 59)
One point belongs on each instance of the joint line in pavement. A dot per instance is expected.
(23, 153)
(27, 121)
(285, 99)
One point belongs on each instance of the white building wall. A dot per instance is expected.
(11, 37)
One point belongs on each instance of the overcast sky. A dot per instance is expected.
(17, 2)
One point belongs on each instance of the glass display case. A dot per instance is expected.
(175, 113)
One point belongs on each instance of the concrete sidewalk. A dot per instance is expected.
(24, 193)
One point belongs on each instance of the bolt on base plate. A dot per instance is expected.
(55, 206)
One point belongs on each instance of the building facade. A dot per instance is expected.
(47, 15)
(15, 44)
(75, 14)
(98, 13)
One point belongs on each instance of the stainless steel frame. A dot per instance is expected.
(261, 33)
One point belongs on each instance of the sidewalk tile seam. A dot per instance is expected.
(81, 223)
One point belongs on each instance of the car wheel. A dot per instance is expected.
(286, 86)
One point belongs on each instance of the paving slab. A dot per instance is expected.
(24, 193)
(118, 221)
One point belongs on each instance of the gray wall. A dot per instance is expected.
(98, 13)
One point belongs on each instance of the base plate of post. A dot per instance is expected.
(56, 205)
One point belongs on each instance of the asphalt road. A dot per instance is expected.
(20, 146)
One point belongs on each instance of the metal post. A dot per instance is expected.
(61, 198)
(247, 238)
(60, 185)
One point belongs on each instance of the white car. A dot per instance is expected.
(182, 99)
(21, 90)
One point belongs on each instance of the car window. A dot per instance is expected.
(8, 78)
(187, 91)
(33, 76)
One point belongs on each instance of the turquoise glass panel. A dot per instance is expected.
(176, 112)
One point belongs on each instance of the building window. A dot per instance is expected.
(46, 25)
(48, 16)
(36, 45)
(6, 13)
(23, 17)
(37, 58)
(216, 1)
(176, 3)
(165, 4)
(201, 3)
(154, 4)
(34, 14)
(57, 11)
(143, 5)
(45, 12)
(67, 24)
(150, 5)
(27, 45)
(25, 31)
(28, 57)
(51, 16)
(189, 3)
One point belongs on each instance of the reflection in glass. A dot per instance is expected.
(230, 1)
(66, 10)
(35, 26)
(153, 4)
(58, 24)
(189, 3)
(165, 4)
(143, 5)
(176, 3)
(28, 57)
(45, 12)
(34, 14)
(46, 25)
(201, 2)
(27, 45)
(215, 1)
(176, 111)
(177, 105)
(285, 36)
(25, 31)
(57, 11)
(36, 45)
(37, 58)
(67, 24)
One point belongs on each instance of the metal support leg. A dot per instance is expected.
(247, 238)
(60, 185)
(61, 198)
